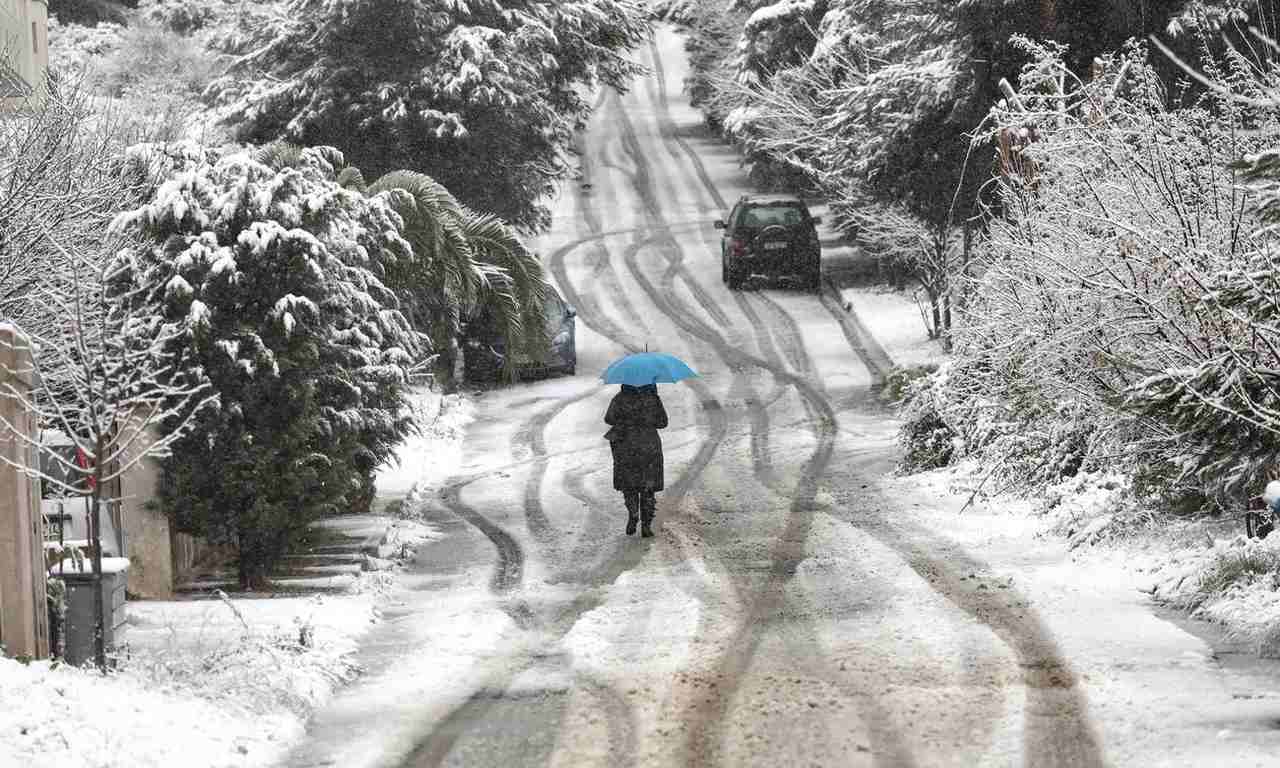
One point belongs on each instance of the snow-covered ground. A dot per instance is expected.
(1088, 594)
(1207, 568)
(893, 318)
(237, 678)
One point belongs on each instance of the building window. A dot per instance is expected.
(35, 39)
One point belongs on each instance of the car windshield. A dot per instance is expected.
(787, 215)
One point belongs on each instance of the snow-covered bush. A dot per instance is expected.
(1122, 275)
(279, 275)
(935, 417)
(1028, 445)
(152, 74)
(259, 671)
(712, 32)
(180, 16)
(74, 47)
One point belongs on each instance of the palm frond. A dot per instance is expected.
(278, 155)
(351, 178)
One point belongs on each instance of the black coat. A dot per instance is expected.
(635, 415)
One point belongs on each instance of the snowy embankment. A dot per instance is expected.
(1208, 569)
(224, 682)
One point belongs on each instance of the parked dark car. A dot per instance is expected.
(771, 235)
(484, 350)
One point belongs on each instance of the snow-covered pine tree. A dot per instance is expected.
(482, 96)
(279, 273)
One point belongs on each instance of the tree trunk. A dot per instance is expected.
(95, 536)
(933, 308)
(946, 321)
(242, 555)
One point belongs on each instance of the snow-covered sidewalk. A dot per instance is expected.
(222, 682)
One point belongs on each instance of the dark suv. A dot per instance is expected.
(484, 350)
(770, 235)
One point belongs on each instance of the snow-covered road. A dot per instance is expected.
(798, 606)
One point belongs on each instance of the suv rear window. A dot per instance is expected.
(785, 214)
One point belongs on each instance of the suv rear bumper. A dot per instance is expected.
(785, 264)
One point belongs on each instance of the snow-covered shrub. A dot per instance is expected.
(678, 11)
(180, 16)
(899, 380)
(935, 418)
(158, 75)
(279, 274)
(259, 671)
(1089, 507)
(1106, 280)
(154, 75)
(74, 47)
(927, 441)
(1028, 444)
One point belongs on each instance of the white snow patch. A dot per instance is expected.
(893, 318)
(434, 454)
(109, 565)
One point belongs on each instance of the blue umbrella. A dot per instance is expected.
(644, 368)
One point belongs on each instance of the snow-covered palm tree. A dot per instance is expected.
(464, 262)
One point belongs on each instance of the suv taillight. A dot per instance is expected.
(737, 247)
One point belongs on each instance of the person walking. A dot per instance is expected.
(635, 415)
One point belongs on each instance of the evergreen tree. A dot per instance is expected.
(484, 97)
(279, 274)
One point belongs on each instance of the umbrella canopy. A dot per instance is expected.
(644, 368)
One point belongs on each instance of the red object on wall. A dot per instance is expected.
(82, 459)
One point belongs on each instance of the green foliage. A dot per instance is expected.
(279, 273)
(465, 263)
(484, 97)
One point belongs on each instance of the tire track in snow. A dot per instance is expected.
(708, 715)
(432, 750)
(1063, 738)
(758, 411)
(532, 434)
(509, 570)
(1057, 729)
(704, 743)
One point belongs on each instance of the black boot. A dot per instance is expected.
(633, 511)
(647, 508)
